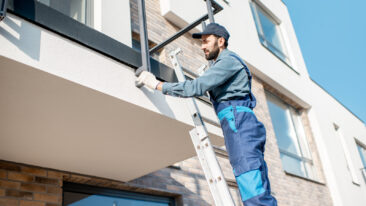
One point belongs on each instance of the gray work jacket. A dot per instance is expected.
(226, 79)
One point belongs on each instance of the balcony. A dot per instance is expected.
(68, 100)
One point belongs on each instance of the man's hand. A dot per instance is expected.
(147, 79)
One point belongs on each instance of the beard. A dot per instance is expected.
(214, 53)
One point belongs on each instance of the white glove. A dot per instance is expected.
(148, 79)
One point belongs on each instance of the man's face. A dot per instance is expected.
(210, 46)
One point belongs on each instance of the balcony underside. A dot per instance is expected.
(52, 122)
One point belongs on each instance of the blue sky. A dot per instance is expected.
(332, 37)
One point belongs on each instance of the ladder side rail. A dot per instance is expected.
(203, 147)
(3, 8)
(206, 167)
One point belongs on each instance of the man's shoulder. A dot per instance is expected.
(232, 57)
(228, 54)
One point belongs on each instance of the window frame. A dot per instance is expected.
(362, 157)
(347, 154)
(306, 161)
(95, 190)
(257, 7)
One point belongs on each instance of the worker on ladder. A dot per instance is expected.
(228, 81)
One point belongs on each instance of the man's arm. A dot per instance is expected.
(219, 73)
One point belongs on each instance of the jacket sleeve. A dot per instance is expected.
(216, 75)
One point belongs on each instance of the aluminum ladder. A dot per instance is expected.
(205, 152)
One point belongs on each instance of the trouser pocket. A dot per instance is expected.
(227, 115)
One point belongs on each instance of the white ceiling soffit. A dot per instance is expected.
(183, 13)
(55, 123)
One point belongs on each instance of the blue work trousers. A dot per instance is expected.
(245, 138)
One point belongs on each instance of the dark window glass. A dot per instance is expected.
(84, 195)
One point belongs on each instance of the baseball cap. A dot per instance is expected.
(213, 28)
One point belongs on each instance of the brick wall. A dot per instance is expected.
(159, 29)
(28, 186)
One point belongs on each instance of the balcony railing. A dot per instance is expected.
(68, 23)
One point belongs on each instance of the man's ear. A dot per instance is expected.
(221, 42)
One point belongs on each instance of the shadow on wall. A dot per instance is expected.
(24, 36)
(160, 104)
(162, 180)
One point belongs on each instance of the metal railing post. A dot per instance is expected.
(209, 11)
(3, 7)
(145, 55)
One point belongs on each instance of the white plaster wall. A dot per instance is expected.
(326, 112)
(116, 20)
(175, 12)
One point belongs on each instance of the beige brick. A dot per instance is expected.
(54, 190)
(56, 174)
(31, 187)
(31, 203)
(34, 171)
(8, 202)
(9, 184)
(2, 174)
(45, 180)
(80, 177)
(174, 187)
(20, 177)
(18, 194)
(46, 197)
(9, 166)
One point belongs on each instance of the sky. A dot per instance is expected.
(332, 38)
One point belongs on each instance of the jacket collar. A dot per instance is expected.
(222, 54)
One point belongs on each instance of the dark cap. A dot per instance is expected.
(215, 29)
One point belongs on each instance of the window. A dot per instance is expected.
(362, 151)
(290, 135)
(269, 32)
(347, 154)
(83, 195)
(79, 10)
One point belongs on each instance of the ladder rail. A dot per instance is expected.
(202, 144)
(3, 8)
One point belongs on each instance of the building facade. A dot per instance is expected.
(76, 131)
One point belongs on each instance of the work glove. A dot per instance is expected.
(148, 79)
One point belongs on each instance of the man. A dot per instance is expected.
(228, 81)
